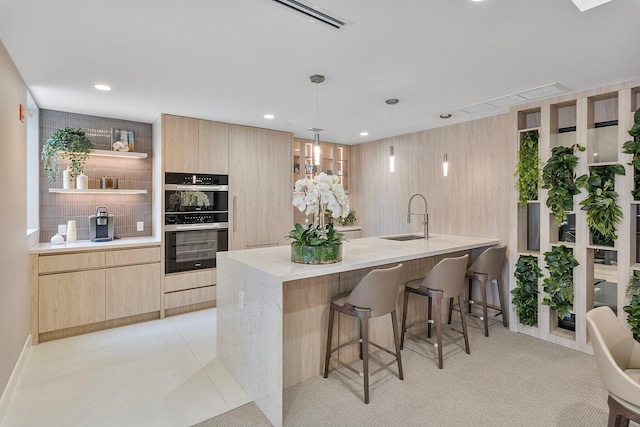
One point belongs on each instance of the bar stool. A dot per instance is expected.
(445, 280)
(486, 268)
(374, 296)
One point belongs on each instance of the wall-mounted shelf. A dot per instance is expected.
(121, 154)
(95, 191)
(124, 154)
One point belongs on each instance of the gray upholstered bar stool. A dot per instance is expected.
(486, 268)
(374, 296)
(444, 281)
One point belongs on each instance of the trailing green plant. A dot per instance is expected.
(559, 178)
(525, 294)
(67, 143)
(559, 284)
(603, 212)
(633, 147)
(528, 168)
(633, 309)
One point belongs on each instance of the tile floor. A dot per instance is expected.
(158, 373)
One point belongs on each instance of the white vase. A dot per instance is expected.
(82, 182)
(72, 232)
(67, 182)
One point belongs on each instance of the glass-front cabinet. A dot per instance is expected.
(334, 160)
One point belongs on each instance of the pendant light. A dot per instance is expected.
(316, 78)
(392, 157)
(445, 166)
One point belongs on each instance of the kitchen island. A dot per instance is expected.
(273, 313)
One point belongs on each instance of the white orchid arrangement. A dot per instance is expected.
(316, 197)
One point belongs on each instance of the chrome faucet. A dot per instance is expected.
(425, 215)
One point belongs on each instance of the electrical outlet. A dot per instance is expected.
(140, 226)
(62, 229)
(241, 300)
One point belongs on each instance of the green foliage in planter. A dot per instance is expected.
(633, 309)
(559, 284)
(348, 220)
(315, 235)
(559, 178)
(528, 168)
(633, 147)
(68, 143)
(525, 294)
(603, 213)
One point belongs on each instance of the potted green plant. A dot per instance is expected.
(633, 309)
(525, 294)
(67, 143)
(348, 220)
(633, 147)
(318, 243)
(603, 212)
(559, 178)
(528, 168)
(559, 284)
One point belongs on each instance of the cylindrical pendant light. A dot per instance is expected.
(316, 150)
(392, 160)
(445, 166)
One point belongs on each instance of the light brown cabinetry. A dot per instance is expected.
(185, 289)
(79, 292)
(261, 187)
(193, 145)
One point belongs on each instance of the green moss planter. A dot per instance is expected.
(316, 254)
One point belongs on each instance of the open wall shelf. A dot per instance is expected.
(598, 120)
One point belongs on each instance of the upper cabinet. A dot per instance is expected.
(334, 160)
(193, 145)
(260, 187)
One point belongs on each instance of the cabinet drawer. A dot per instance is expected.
(191, 280)
(192, 296)
(133, 256)
(71, 299)
(132, 290)
(70, 262)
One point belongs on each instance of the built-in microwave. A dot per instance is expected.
(196, 220)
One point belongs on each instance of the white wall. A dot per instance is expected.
(14, 244)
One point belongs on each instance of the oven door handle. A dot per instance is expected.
(198, 187)
(187, 227)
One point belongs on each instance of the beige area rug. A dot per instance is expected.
(509, 379)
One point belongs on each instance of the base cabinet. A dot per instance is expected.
(80, 292)
(132, 290)
(186, 289)
(71, 299)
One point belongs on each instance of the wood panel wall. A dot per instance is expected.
(473, 200)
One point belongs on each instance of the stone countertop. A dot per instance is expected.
(87, 245)
(345, 228)
(356, 254)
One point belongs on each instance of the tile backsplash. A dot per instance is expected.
(56, 208)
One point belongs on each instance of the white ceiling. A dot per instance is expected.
(235, 60)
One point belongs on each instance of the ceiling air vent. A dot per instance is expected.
(314, 13)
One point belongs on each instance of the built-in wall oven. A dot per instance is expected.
(196, 220)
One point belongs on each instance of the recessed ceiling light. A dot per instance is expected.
(102, 87)
(364, 133)
(447, 115)
(269, 116)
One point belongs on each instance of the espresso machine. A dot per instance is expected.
(101, 225)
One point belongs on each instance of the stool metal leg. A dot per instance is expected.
(438, 320)
(482, 278)
(404, 317)
(329, 336)
(503, 304)
(396, 339)
(463, 316)
(364, 328)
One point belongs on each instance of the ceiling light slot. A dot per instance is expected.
(315, 13)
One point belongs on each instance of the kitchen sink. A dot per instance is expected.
(404, 237)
